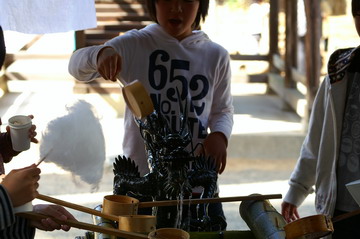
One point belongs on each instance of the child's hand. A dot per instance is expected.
(54, 211)
(22, 184)
(215, 146)
(289, 212)
(108, 63)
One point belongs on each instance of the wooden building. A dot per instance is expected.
(118, 16)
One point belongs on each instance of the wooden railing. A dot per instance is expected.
(292, 97)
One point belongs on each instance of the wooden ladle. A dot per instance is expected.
(125, 234)
(137, 99)
(315, 226)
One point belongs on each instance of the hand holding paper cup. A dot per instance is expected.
(19, 132)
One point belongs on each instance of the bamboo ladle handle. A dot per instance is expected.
(77, 207)
(158, 203)
(84, 226)
(209, 200)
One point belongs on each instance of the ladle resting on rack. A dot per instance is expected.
(124, 234)
(158, 203)
(315, 226)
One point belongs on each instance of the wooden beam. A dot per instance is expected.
(291, 41)
(312, 48)
(273, 32)
(240, 57)
(292, 98)
(278, 62)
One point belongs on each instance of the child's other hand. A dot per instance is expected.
(289, 212)
(215, 146)
(108, 63)
(22, 184)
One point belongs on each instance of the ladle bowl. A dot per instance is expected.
(169, 233)
(137, 99)
(120, 205)
(137, 223)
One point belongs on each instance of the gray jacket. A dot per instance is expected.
(317, 163)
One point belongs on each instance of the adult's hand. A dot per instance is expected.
(53, 211)
(22, 184)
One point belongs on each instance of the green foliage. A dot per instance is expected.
(243, 4)
(237, 4)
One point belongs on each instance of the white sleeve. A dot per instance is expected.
(82, 63)
(303, 176)
(222, 110)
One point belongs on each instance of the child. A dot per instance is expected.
(167, 56)
(329, 157)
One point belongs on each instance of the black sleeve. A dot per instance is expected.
(2, 48)
(6, 150)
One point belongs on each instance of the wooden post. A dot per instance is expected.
(273, 33)
(312, 49)
(80, 40)
(291, 41)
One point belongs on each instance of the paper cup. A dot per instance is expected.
(137, 223)
(19, 132)
(27, 207)
(168, 233)
(120, 205)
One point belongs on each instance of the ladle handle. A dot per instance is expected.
(120, 83)
(208, 200)
(77, 207)
(84, 226)
(345, 216)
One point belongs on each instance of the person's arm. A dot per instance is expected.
(9, 223)
(83, 63)
(6, 149)
(17, 188)
(221, 117)
(7, 217)
(302, 178)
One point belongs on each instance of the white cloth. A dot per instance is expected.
(47, 16)
(257, 14)
(198, 67)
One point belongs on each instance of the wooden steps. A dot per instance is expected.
(114, 17)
